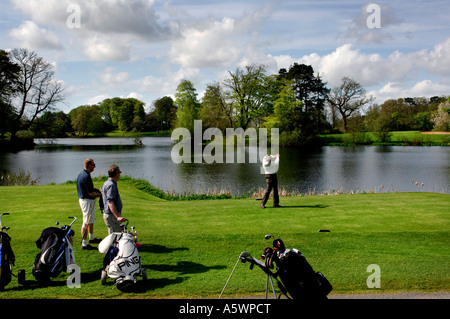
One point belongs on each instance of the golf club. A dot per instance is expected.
(1, 226)
(242, 257)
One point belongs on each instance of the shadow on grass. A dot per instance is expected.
(181, 268)
(299, 206)
(184, 267)
(159, 249)
(146, 285)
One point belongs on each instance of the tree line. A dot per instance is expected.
(295, 100)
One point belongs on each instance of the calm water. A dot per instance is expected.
(361, 168)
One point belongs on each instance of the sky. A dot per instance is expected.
(144, 48)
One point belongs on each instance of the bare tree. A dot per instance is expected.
(347, 98)
(38, 92)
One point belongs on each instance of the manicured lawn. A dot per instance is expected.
(396, 138)
(189, 248)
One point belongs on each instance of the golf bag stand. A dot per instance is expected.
(246, 257)
(122, 261)
(7, 257)
(56, 252)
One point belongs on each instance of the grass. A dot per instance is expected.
(190, 247)
(409, 138)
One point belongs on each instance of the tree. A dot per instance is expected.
(9, 75)
(287, 116)
(312, 92)
(52, 125)
(423, 122)
(441, 118)
(288, 108)
(38, 91)
(9, 87)
(123, 114)
(165, 112)
(249, 91)
(188, 106)
(347, 98)
(86, 119)
(216, 110)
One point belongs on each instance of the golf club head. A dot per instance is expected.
(245, 254)
(1, 226)
(268, 236)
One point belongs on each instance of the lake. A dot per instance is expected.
(328, 168)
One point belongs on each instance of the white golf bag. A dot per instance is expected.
(122, 261)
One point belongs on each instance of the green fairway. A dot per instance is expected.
(189, 248)
(401, 138)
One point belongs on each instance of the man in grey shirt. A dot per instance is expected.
(112, 201)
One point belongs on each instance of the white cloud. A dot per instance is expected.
(106, 29)
(136, 18)
(215, 43)
(108, 76)
(396, 90)
(168, 83)
(209, 45)
(373, 69)
(136, 96)
(436, 61)
(254, 57)
(97, 99)
(106, 48)
(32, 37)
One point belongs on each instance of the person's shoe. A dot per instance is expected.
(88, 247)
(95, 241)
(277, 205)
(262, 205)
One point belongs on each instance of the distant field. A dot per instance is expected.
(396, 138)
(190, 247)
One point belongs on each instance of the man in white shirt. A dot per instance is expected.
(270, 167)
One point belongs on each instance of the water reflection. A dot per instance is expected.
(363, 168)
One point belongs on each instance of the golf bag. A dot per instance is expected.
(56, 253)
(296, 274)
(122, 261)
(7, 258)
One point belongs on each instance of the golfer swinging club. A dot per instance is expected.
(270, 167)
(87, 195)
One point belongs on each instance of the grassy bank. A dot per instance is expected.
(401, 138)
(190, 247)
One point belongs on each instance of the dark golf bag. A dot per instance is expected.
(296, 274)
(7, 259)
(56, 253)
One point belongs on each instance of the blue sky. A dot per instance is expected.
(144, 48)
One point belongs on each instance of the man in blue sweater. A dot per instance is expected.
(87, 195)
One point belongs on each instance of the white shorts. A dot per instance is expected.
(88, 208)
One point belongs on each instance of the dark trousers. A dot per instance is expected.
(272, 185)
